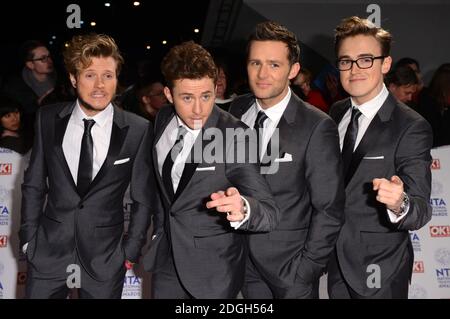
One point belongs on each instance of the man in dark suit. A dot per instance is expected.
(72, 226)
(209, 195)
(306, 178)
(386, 156)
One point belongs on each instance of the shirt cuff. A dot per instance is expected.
(236, 225)
(394, 218)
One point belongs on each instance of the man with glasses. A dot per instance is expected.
(36, 84)
(386, 156)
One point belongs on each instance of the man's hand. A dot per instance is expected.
(229, 202)
(390, 192)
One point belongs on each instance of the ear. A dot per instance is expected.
(145, 100)
(168, 94)
(295, 68)
(386, 66)
(73, 80)
(30, 65)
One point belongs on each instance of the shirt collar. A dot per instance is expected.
(189, 130)
(370, 108)
(100, 118)
(275, 112)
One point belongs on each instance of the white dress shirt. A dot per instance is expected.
(101, 137)
(274, 114)
(368, 111)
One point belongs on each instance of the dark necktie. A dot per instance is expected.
(350, 139)
(258, 126)
(85, 164)
(168, 162)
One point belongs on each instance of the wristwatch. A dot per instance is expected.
(404, 205)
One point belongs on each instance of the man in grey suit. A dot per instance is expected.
(306, 180)
(85, 155)
(198, 250)
(386, 155)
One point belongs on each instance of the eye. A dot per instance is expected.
(206, 97)
(108, 76)
(344, 62)
(254, 63)
(274, 65)
(89, 75)
(187, 98)
(367, 60)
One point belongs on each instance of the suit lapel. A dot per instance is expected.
(371, 136)
(159, 130)
(118, 135)
(61, 122)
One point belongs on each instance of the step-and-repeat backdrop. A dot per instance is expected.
(431, 277)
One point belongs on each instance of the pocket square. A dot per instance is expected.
(373, 157)
(286, 158)
(121, 161)
(202, 169)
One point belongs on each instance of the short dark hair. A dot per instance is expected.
(402, 75)
(407, 61)
(8, 105)
(188, 60)
(26, 49)
(353, 26)
(82, 48)
(273, 31)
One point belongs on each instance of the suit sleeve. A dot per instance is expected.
(34, 187)
(413, 166)
(327, 195)
(143, 195)
(246, 177)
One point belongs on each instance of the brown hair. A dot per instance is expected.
(188, 61)
(353, 26)
(273, 31)
(440, 85)
(82, 48)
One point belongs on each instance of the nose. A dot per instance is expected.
(197, 107)
(99, 82)
(262, 72)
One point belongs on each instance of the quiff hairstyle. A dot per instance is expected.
(188, 60)
(82, 48)
(273, 31)
(353, 26)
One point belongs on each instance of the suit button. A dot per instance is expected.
(81, 206)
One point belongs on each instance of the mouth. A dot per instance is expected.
(98, 95)
(263, 85)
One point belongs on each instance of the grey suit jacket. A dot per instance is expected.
(208, 253)
(56, 220)
(309, 191)
(397, 142)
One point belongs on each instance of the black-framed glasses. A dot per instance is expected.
(362, 63)
(43, 59)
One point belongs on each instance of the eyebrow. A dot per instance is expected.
(362, 55)
(191, 94)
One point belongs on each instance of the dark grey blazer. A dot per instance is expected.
(309, 191)
(208, 253)
(397, 142)
(56, 220)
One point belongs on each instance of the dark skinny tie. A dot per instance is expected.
(259, 124)
(350, 139)
(168, 162)
(85, 164)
